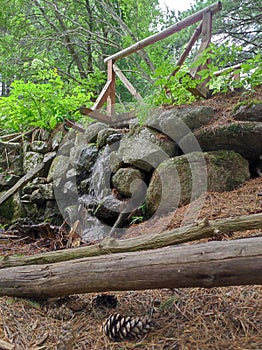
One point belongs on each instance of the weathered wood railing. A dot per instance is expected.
(109, 91)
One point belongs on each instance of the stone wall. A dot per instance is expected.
(104, 172)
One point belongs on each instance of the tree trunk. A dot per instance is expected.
(212, 264)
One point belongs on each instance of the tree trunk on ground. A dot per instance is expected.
(204, 229)
(27, 177)
(212, 264)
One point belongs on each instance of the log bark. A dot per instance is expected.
(212, 264)
(204, 229)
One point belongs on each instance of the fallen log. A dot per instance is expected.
(27, 177)
(9, 145)
(212, 264)
(204, 229)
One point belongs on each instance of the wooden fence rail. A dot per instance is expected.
(109, 91)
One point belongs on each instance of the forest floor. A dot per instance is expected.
(185, 319)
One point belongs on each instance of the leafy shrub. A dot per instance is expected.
(214, 59)
(45, 101)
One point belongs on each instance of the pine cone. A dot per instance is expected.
(60, 313)
(118, 327)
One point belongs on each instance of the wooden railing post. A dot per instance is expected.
(109, 91)
(111, 76)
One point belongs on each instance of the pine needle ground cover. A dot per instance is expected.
(184, 319)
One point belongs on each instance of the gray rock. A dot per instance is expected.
(108, 210)
(31, 209)
(37, 198)
(46, 191)
(41, 134)
(145, 149)
(115, 162)
(244, 138)
(112, 140)
(251, 113)
(84, 186)
(31, 160)
(59, 168)
(65, 147)
(57, 140)
(8, 180)
(178, 122)
(71, 173)
(39, 146)
(83, 157)
(52, 213)
(125, 178)
(12, 209)
(16, 165)
(34, 185)
(92, 131)
(81, 139)
(179, 180)
(103, 136)
(70, 187)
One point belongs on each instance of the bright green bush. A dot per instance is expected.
(45, 101)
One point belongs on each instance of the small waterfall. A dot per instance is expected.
(99, 189)
(101, 174)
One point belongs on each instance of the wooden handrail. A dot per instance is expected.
(214, 8)
(108, 93)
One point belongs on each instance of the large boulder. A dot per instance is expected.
(178, 122)
(145, 149)
(179, 180)
(244, 138)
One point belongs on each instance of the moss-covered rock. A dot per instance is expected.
(179, 180)
(58, 168)
(127, 180)
(31, 160)
(11, 209)
(242, 137)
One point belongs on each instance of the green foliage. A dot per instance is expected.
(173, 90)
(213, 59)
(45, 102)
(139, 216)
(223, 56)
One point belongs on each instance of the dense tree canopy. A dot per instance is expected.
(73, 37)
